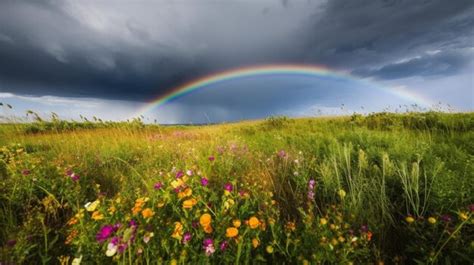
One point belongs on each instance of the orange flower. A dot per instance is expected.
(231, 232)
(147, 213)
(178, 231)
(369, 236)
(72, 221)
(255, 243)
(97, 216)
(188, 204)
(208, 229)
(205, 220)
(186, 193)
(254, 222)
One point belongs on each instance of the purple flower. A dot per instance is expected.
(179, 174)
(158, 185)
(204, 181)
(74, 177)
(471, 207)
(11, 243)
(104, 233)
(364, 229)
(187, 237)
(211, 158)
(208, 246)
(311, 184)
(69, 172)
(446, 218)
(224, 245)
(25, 172)
(228, 187)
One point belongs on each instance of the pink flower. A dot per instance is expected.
(179, 174)
(104, 233)
(211, 158)
(25, 172)
(224, 245)
(158, 185)
(228, 187)
(282, 153)
(187, 237)
(74, 177)
(208, 246)
(204, 181)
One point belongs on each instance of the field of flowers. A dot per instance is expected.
(377, 189)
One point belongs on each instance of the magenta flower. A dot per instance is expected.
(446, 218)
(311, 184)
(204, 181)
(471, 208)
(74, 177)
(158, 185)
(224, 245)
(187, 237)
(25, 172)
(104, 233)
(228, 187)
(208, 246)
(211, 158)
(179, 174)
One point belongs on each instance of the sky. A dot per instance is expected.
(109, 58)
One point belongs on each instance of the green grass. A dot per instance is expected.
(373, 173)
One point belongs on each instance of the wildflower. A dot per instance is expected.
(189, 172)
(254, 222)
(446, 218)
(282, 153)
(158, 185)
(179, 174)
(91, 206)
(255, 243)
(228, 187)
(364, 229)
(77, 261)
(269, 249)
(409, 219)
(147, 213)
(291, 226)
(231, 232)
(236, 223)
(204, 181)
(97, 216)
(187, 237)
(341, 193)
(111, 249)
(228, 203)
(71, 237)
(431, 220)
(208, 246)
(323, 221)
(188, 204)
(25, 172)
(178, 231)
(463, 215)
(186, 193)
(147, 237)
(223, 246)
(471, 208)
(104, 233)
(12, 242)
(111, 210)
(311, 185)
(211, 158)
(208, 229)
(205, 220)
(369, 235)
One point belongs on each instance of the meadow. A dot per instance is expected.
(381, 188)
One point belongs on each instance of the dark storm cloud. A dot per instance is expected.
(135, 51)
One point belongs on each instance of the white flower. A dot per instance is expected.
(189, 172)
(77, 261)
(210, 250)
(111, 250)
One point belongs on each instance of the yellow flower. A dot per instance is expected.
(254, 222)
(142, 200)
(409, 219)
(231, 232)
(205, 220)
(90, 207)
(432, 220)
(291, 226)
(178, 231)
(173, 262)
(323, 221)
(228, 203)
(236, 223)
(463, 216)
(269, 249)
(341, 193)
(255, 243)
(97, 216)
(112, 209)
(176, 183)
(188, 204)
(147, 213)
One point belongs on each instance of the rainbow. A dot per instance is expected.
(274, 69)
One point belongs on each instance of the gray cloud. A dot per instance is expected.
(136, 51)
